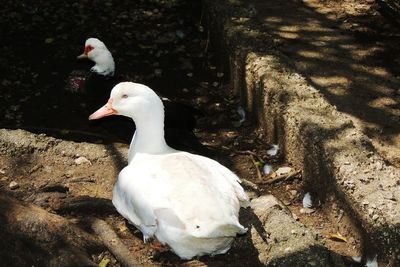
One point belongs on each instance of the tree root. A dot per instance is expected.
(60, 242)
(113, 243)
(85, 204)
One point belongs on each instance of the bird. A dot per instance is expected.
(180, 119)
(186, 202)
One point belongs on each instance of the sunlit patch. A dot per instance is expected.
(310, 54)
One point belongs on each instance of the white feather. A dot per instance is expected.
(307, 201)
(267, 169)
(273, 151)
(372, 262)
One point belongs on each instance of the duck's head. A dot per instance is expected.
(133, 100)
(96, 51)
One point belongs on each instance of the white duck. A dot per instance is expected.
(96, 51)
(188, 202)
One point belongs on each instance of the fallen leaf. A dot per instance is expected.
(104, 262)
(337, 237)
(49, 40)
(64, 132)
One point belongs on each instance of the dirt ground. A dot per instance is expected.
(165, 44)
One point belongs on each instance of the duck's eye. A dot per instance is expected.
(124, 96)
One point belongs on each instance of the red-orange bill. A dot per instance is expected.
(104, 111)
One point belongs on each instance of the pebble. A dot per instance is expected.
(158, 72)
(288, 249)
(370, 211)
(13, 185)
(82, 160)
(365, 203)
(69, 173)
(293, 193)
(379, 165)
(283, 170)
(306, 211)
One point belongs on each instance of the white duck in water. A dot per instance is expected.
(188, 202)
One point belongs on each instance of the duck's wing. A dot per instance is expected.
(222, 172)
(134, 199)
(201, 196)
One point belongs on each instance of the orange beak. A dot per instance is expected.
(104, 111)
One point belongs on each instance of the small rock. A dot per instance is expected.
(370, 211)
(283, 170)
(158, 72)
(288, 249)
(180, 34)
(379, 165)
(69, 173)
(13, 185)
(293, 193)
(82, 160)
(306, 211)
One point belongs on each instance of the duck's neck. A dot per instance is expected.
(105, 64)
(149, 136)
